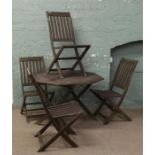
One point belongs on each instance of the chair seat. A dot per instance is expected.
(106, 93)
(65, 109)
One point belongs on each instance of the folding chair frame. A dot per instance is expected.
(63, 128)
(36, 65)
(121, 80)
(115, 108)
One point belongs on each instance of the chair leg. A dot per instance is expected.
(103, 101)
(98, 109)
(51, 97)
(118, 110)
(23, 108)
(115, 109)
(42, 130)
(23, 105)
(69, 130)
(59, 124)
(61, 133)
(76, 97)
(114, 112)
(123, 114)
(27, 119)
(105, 117)
(108, 119)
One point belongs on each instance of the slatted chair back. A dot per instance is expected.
(61, 30)
(60, 26)
(35, 64)
(124, 73)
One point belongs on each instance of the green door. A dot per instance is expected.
(132, 50)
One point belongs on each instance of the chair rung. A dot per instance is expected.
(62, 69)
(68, 58)
(33, 113)
(34, 109)
(57, 47)
(34, 103)
(36, 115)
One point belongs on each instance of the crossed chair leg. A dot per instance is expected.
(63, 130)
(115, 109)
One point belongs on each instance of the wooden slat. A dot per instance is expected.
(22, 73)
(51, 27)
(56, 29)
(70, 27)
(67, 29)
(65, 109)
(62, 28)
(26, 77)
(39, 66)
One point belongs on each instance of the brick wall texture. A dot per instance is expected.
(101, 23)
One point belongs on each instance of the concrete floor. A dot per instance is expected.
(93, 138)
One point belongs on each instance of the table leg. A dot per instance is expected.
(77, 98)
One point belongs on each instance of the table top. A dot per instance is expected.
(70, 78)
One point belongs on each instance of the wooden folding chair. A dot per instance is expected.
(61, 31)
(62, 38)
(36, 65)
(113, 97)
(55, 117)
